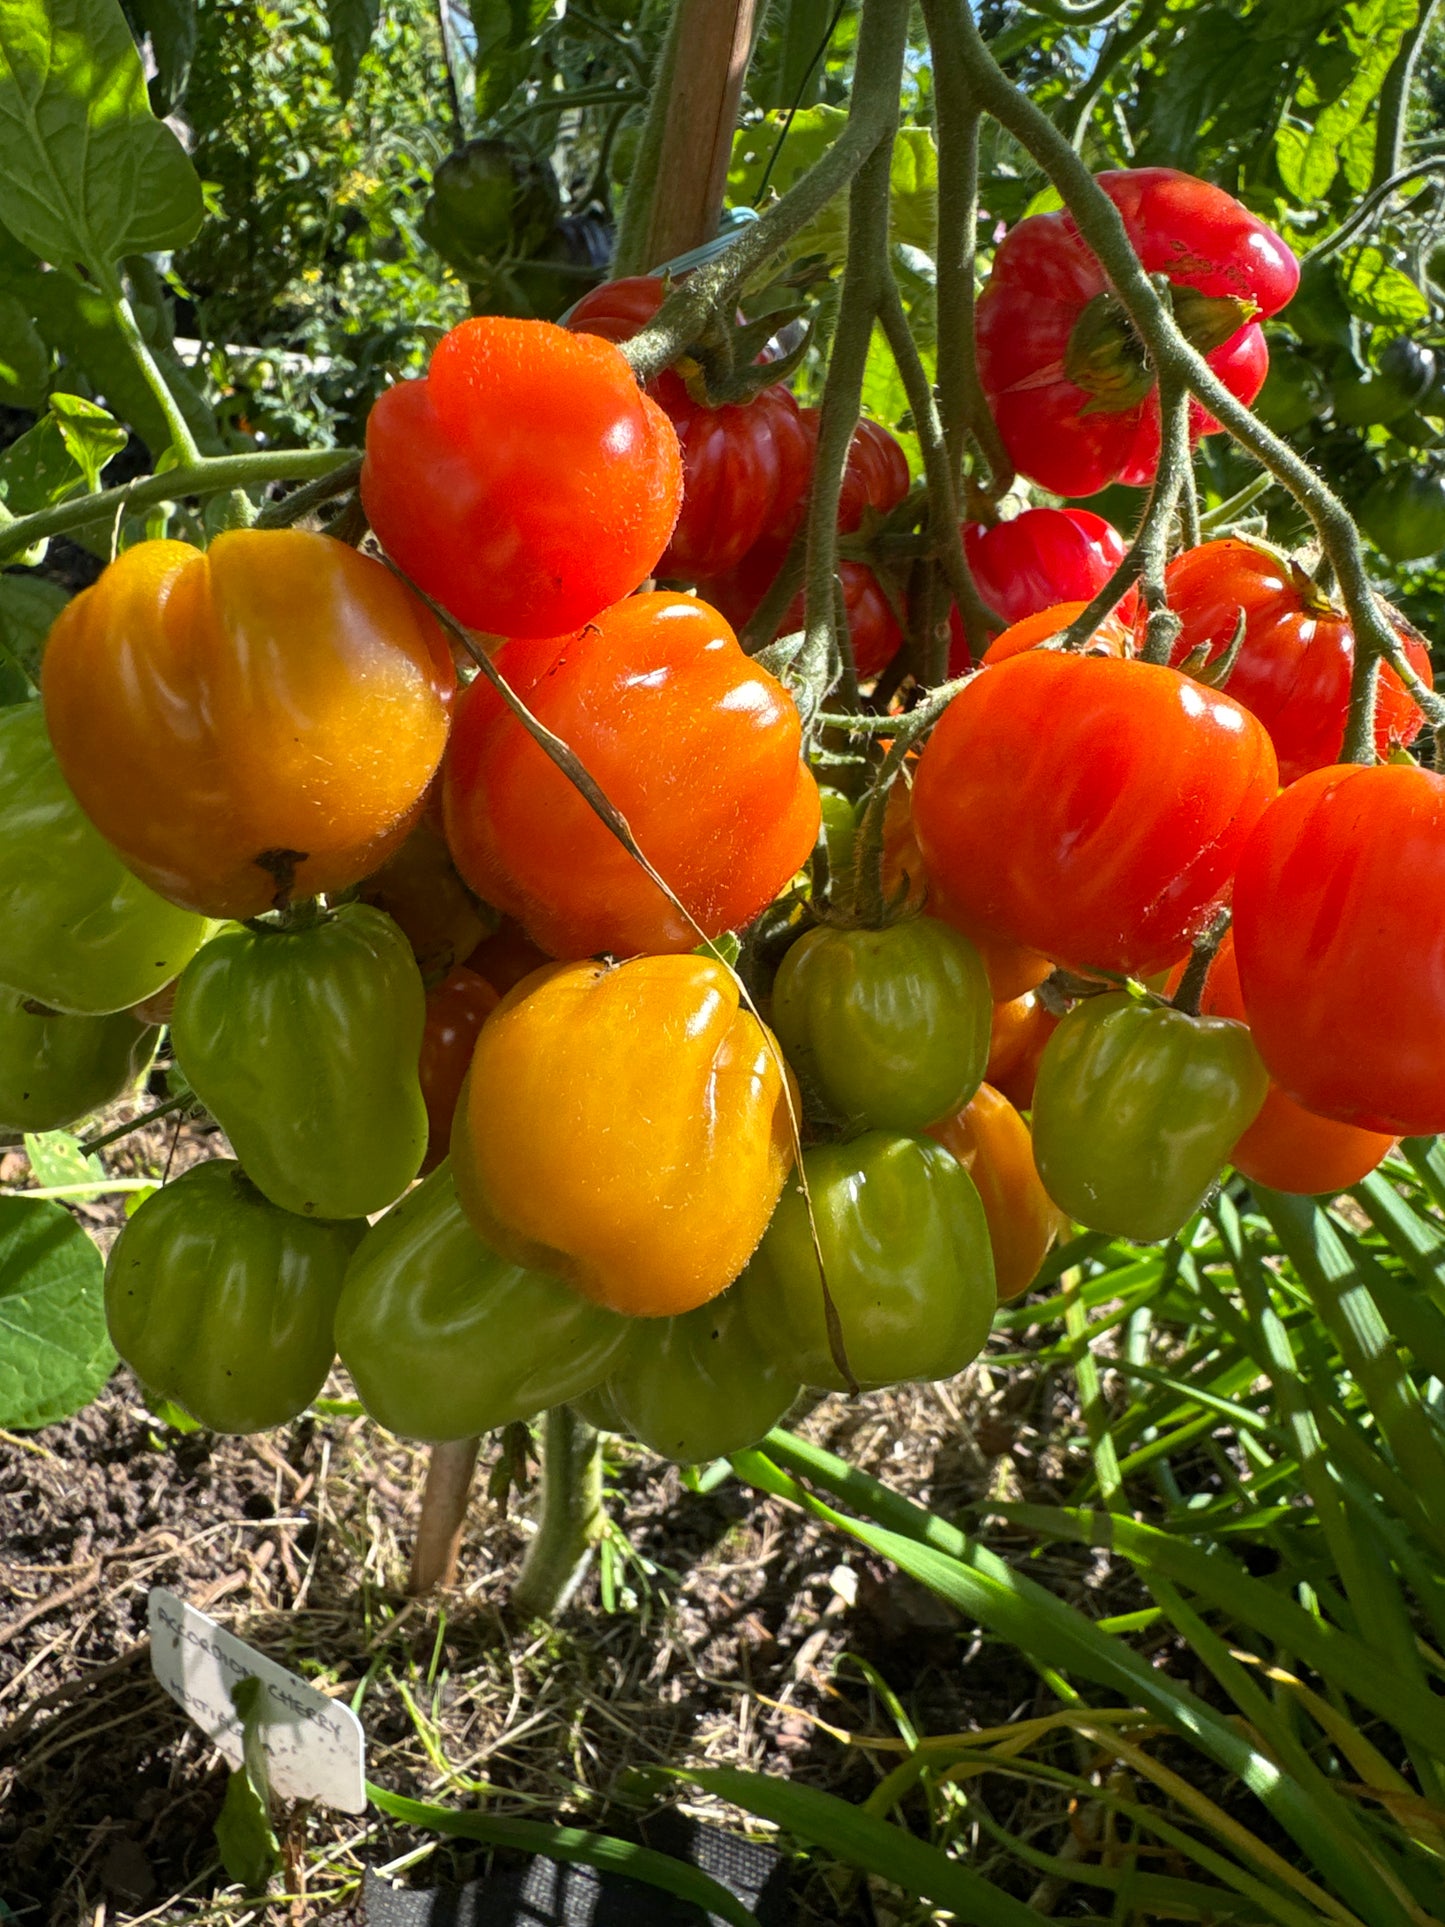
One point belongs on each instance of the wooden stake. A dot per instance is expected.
(443, 1514)
(713, 39)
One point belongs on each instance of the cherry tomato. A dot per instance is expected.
(627, 1129)
(1287, 1147)
(1293, 669)
(219, 715)
(1044, 557)
(1137, 1108)
(889, 1027)
(695, 744)
(1337, 922)
(455, 1012)
(732, 461)
(1090, 809)
(525, 481)
(992, 1143)
(1068, 382)
(1022, 1027)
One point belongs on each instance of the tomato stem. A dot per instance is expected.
(1190, 993)
(571, 1520)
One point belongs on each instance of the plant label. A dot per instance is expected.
(315, 1748)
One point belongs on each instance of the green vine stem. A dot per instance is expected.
(872, 113)
(1361, 216)
(311, 495)
(1395, 98)
(211, 475)
(882, 39)
(628, 256)
(1101, 226)
(570, 1520)
(961, 400)
(979, 621)
(182, 440)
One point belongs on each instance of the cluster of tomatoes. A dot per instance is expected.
(671, 1181)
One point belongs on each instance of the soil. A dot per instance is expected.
(734, 1627)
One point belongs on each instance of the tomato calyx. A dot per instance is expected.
(291, 919)
(1312, 595)
(1106, 358)
(1214, 675)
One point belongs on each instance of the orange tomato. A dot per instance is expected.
(252, 724)
(1021, 1028)
(1113, 635)
(992, 1143)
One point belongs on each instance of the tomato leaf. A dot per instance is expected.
(87, 173)
(1379, 292)
(24, 358)
(28, 606)
(245, 1838)
(351, 24)
(505, 30)
(170, 26)
(913, 177)
(55, 1353)
(56, 1158)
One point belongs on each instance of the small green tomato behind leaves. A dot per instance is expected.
(55, 1069)
(1136, 1109)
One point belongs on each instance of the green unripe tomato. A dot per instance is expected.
(1293, 395)
(908, 1260)
(78, 932)
(599, 1409)
(889, 1027)
(303, 1045)
(55, 1068)
(1404, 515)
(1136, 1109)
(840, 836)
(224, 1303)
(444, 1339)
(699, 1386)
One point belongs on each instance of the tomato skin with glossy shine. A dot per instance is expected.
(1136, 1110)
(55, 1068)
(889, 1027)
(456, 1009)
(525, 481)
(78, 931)
(1045, 276)
(303, 1045)
(625, 1128)
(698, 1386)
(1294, 665)
(1090, 809)
(444, 1339)
(1043, 557)
(696, 745)
(218, 715)
(1022, 1027)
(906, 1249)
(1113, 637)
(992, 1143)
(1341, 946)
(224, 1303)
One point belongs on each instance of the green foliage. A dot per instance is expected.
(56, 1354)
(245, 1837)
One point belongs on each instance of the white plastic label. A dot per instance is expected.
(315, 1747)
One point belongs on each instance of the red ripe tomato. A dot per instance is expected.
(1287, 1147)
(696, 745)
(1089, 808)
(1340, 937)
(876, 477)
(1294, 666)
(455, 1012)
(732, 457)
(1044, 557)
(1073, 397)
(525, 481)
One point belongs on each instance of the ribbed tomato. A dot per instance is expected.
(1042, 557)
(1297, 655)
(1089, 808)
